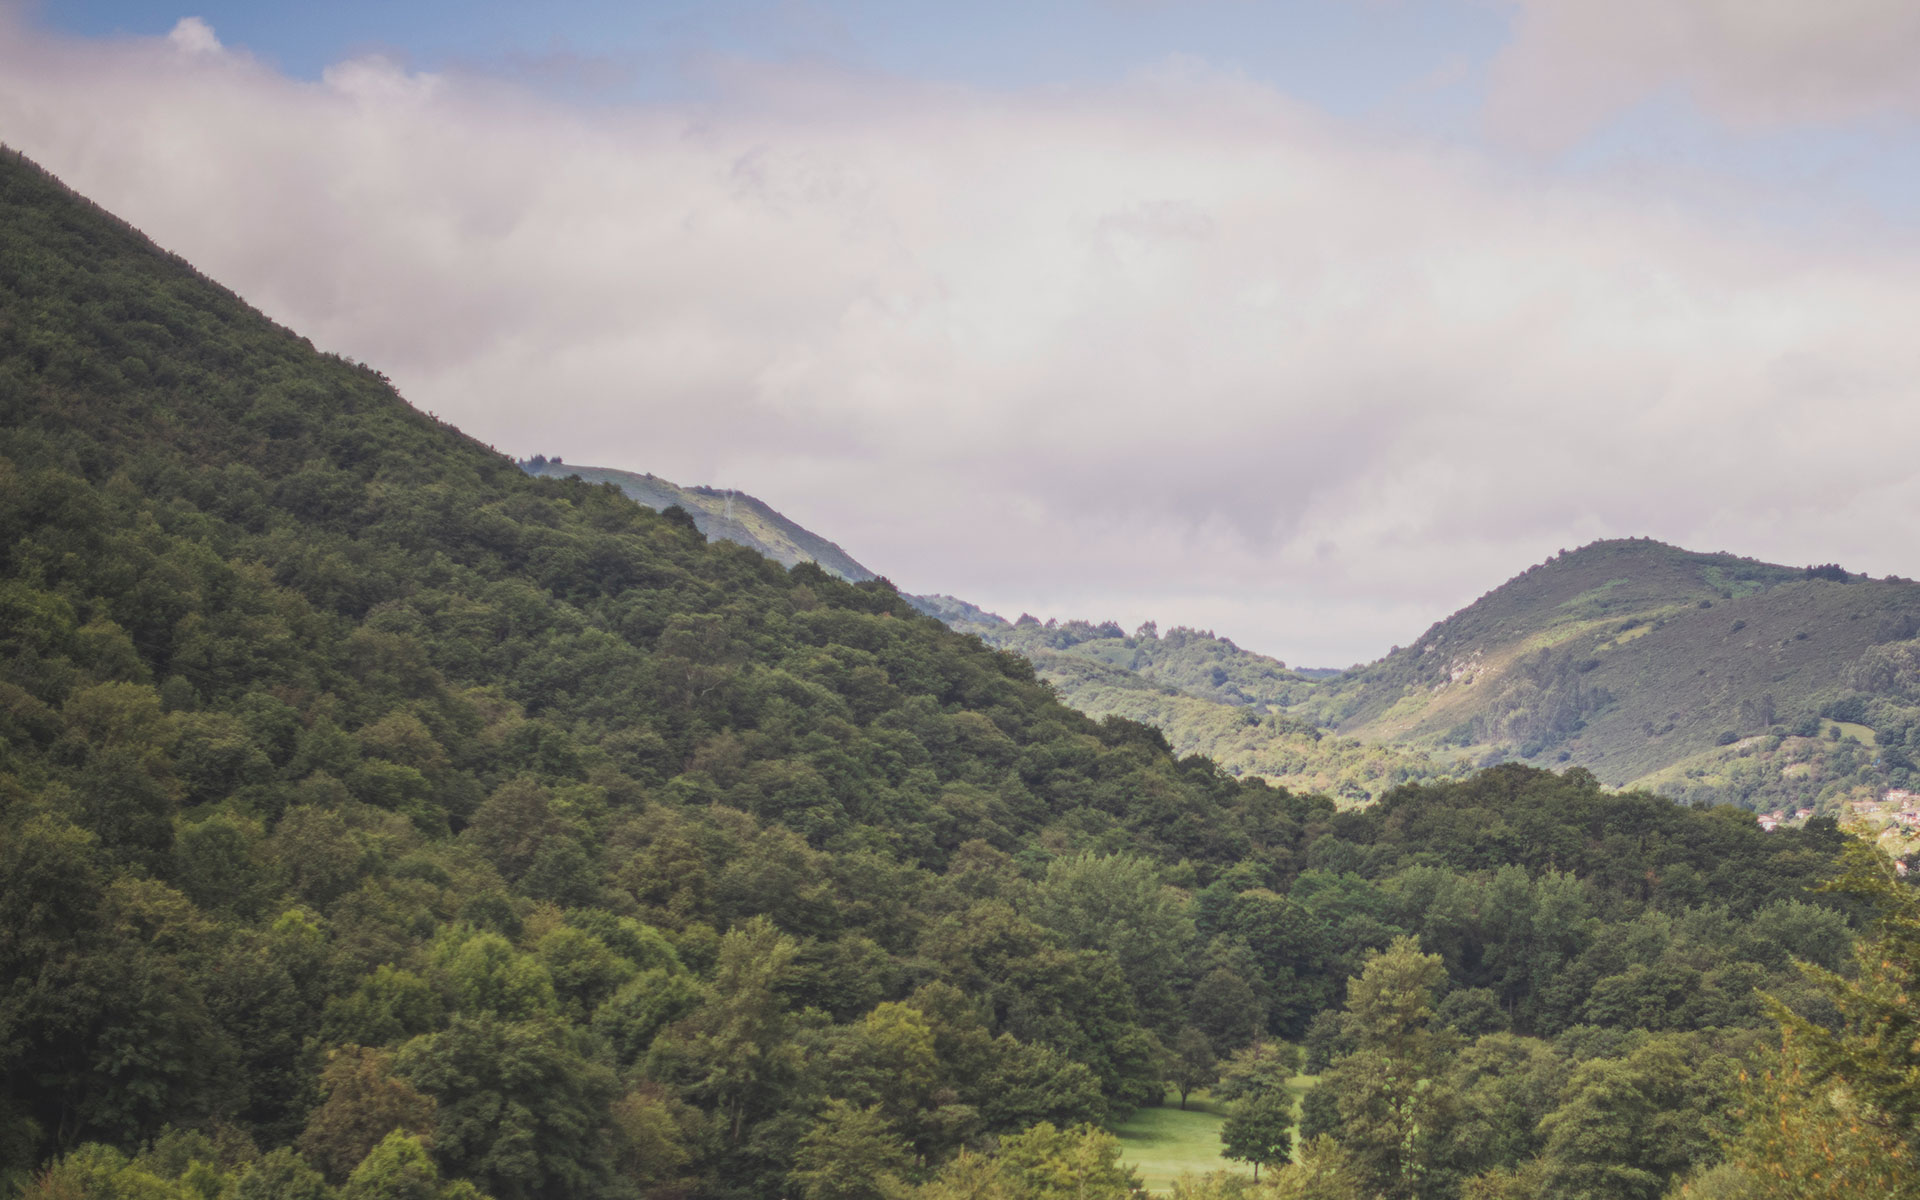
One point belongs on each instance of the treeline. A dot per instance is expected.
(1413, 1104)
(1193, 662)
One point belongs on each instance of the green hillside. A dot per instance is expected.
(346, 765)
(378, 822)
(1645, 662)
(1207, 695)
(721, 514)
(1191, 661)
(1210, 697)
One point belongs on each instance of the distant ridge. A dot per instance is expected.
(1710, 677)
(720, 514)
(968, 618)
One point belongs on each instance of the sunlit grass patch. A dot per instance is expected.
(1162, 1143)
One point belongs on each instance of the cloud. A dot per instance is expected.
(1752, 63)
(1174, 348)
(191, 35)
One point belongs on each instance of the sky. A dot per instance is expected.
(1304, 322)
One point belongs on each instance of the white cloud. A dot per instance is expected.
(1175, 348)
(191, 35)
(1753, 63)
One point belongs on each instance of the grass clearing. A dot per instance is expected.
(1164, 1143)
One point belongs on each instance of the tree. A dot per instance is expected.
(1324, 1171)
(1024, 1083)
(1838, 1113)
(1081, 1163)
(1506, 1084)
(1626, 1126)
(400, 1169)
(653, 1138)
(1194, 1065)
(1802, 1141)
(521, 1106)
(733, 1050)
(1259, 1130)
(1117, 903)
(1226, 1009)
(1257, 1071)
(1395, 1105)
(365, 1102)
(1875, 1051)
(851, 1154)
(281, 1175)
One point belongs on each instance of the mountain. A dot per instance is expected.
(377, 820)
(361, 793)
(1711, 675)
(368, 804)
(958, 613)
(1206, 694)
(719, 514)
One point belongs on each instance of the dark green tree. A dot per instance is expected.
(851, 1154)
(1259, 1130)
(1193, 1062)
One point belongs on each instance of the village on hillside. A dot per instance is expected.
(1893, 819)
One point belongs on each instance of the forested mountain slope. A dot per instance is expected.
(1207, 695)
(1711, 677)
(379, 822)
(720, 514)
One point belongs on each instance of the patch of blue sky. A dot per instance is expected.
(1854, 178)
(1413, 68)
(1346, 57)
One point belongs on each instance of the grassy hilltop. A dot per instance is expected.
(1642, 661)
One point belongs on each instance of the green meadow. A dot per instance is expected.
(1164, 1143)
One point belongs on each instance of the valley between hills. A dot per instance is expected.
(1707, 677)
(380, 821)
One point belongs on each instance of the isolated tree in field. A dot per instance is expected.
(1259, 1130)
(1194, 1065)
(1257, 1071)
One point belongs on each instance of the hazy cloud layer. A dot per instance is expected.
(1177, 348)
(1754, 63)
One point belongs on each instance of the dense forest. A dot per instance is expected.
(377, 821)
